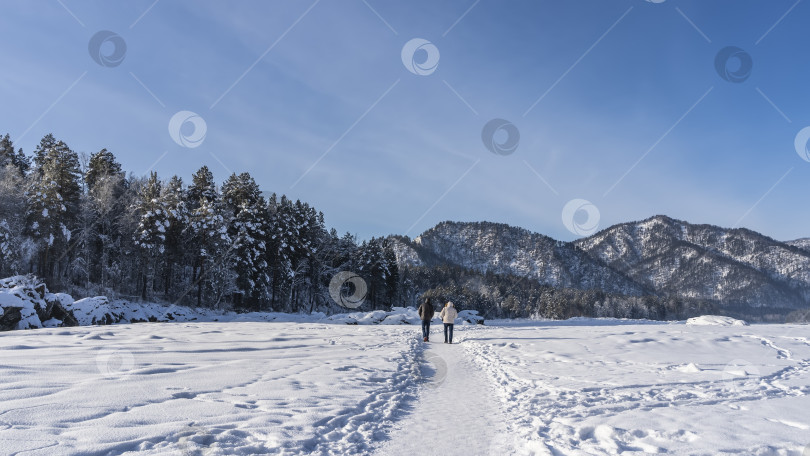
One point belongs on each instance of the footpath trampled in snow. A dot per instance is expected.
(456, 412)
(584, 387)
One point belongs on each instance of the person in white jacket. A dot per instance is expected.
(448, 316)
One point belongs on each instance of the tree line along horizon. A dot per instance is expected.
(85, 227)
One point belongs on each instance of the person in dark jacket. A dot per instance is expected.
(426, 314)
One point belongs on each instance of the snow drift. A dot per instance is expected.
(715, 320)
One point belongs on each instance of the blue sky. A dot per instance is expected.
(285, 85)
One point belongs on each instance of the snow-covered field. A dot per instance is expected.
(589, 388)
(580, 387)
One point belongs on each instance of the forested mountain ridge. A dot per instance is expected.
(731, 266)
(503, 249)
(658, 256)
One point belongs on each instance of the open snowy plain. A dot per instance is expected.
(579, 387)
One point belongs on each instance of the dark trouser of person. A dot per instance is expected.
(426, 329)
(450, 327)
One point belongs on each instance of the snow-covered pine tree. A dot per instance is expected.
(203, 187)
(6, 150)
(276, 245)
(173, 202)
(47, 143)
(104, 203)
(150, 235)
(291, 239)
(7, 250)
(347, 251)
(53, 208)
(390, 269)
(249, 264)
(102, 166)
(9, 157)
(306, 260)
(207, 239)
(12, 221)
(375, 270)
(209, 248)
(248, 226)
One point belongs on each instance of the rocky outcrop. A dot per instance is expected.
(25, 303)
(10, 318)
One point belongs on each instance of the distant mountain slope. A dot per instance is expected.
(732, 266)
(803, 243)
(660, 255)
(409, 253)
(503, 249)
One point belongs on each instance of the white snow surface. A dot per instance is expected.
(715, 320)
(579, 387)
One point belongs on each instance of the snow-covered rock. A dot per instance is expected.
(90, 311)
(395, 316)
(63, 298)
(715, 320)
(402, 316)
(470, 316)
(25, 304)
(18, 313)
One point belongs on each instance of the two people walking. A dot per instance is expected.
(448, 316)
